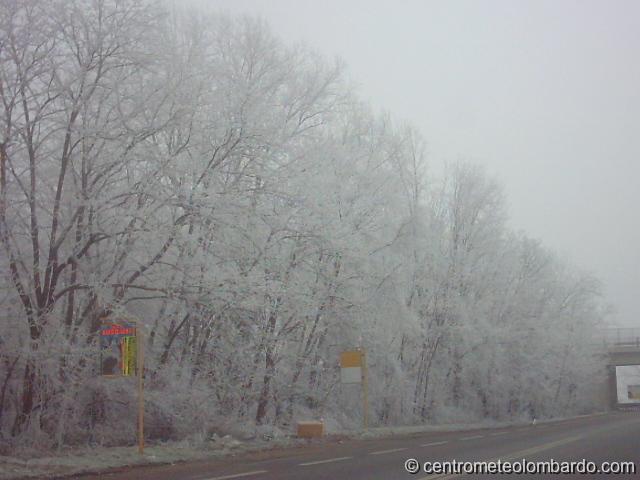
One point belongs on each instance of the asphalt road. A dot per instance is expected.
(613, 437)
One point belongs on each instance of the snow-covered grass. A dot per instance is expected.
(26, 464)
(73, 461)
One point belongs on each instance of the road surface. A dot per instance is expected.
(614, 437)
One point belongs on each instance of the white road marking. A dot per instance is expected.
(472, 438)
(329, 460)
(498, 433)
(512, 456)
(433, 444)
(387, 451)
(238, 475)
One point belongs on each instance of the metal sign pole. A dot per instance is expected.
(365, 391)
(140, 391)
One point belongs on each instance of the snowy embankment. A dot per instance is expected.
(101, 459)
(98, 459)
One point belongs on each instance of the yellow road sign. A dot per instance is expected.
(351, 359)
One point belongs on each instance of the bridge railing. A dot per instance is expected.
(621, 336)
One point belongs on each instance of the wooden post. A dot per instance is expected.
(140, 391)
(365, 391)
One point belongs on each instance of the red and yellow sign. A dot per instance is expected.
(118, 349)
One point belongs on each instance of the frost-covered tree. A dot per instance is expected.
(236, 196)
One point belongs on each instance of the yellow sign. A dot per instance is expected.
(351, 359)
(353, 369)
(129, 355)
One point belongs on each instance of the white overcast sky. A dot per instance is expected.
(545, 94)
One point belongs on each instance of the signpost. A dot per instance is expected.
(122, 355)
(353, 369)
(140, 361)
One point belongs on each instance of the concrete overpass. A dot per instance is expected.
(622, 346)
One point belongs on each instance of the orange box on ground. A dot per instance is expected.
(310, 429)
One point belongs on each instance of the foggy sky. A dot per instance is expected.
(545, 94)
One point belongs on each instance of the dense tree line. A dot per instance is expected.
(237, 197)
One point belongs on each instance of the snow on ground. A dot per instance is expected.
(86, 460)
